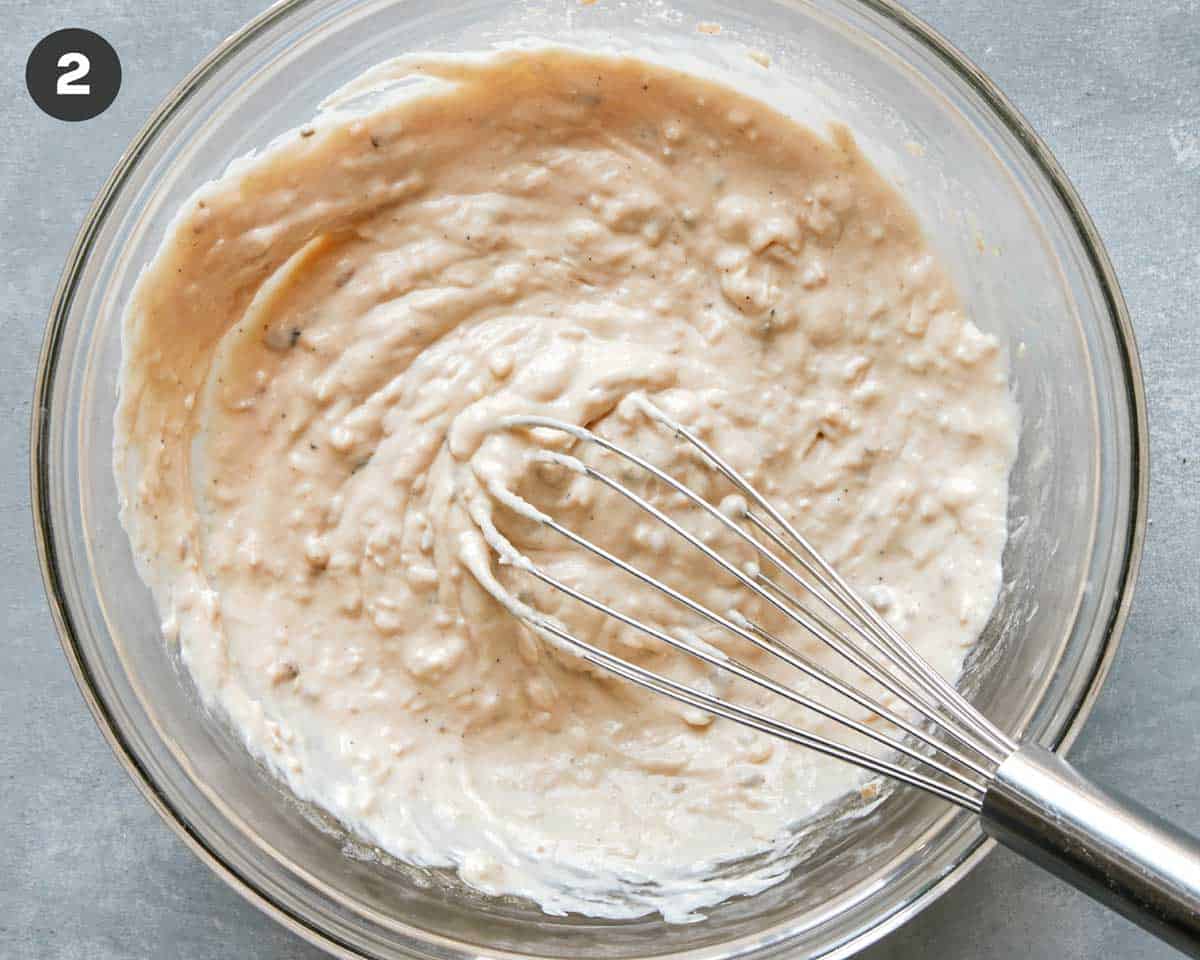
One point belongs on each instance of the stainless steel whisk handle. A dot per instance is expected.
(1111, 848)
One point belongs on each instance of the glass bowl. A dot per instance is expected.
(1029, 265)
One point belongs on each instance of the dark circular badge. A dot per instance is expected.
(73, 74)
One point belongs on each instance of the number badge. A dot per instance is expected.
(73, 74)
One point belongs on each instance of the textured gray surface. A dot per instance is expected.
(88, 870)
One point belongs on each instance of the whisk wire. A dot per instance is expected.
(970, 797)
(836, 641)
(739, 669)
(899, 647)
(923, 698)
(876, 625)
(919, 699)
(772, 645)
(888, 643)
(882, 654)
(760, 722)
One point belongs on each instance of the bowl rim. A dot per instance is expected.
(60, 605)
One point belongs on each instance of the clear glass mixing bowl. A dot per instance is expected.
(1029, 264)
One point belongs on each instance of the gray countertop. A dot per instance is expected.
(87, 870)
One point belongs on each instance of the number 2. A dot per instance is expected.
(78, 67)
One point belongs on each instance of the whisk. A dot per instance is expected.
(1026, 797)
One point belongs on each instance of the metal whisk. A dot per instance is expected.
(1026, 797)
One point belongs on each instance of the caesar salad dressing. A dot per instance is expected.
(314, 365)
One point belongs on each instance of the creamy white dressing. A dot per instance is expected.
(315, 365)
